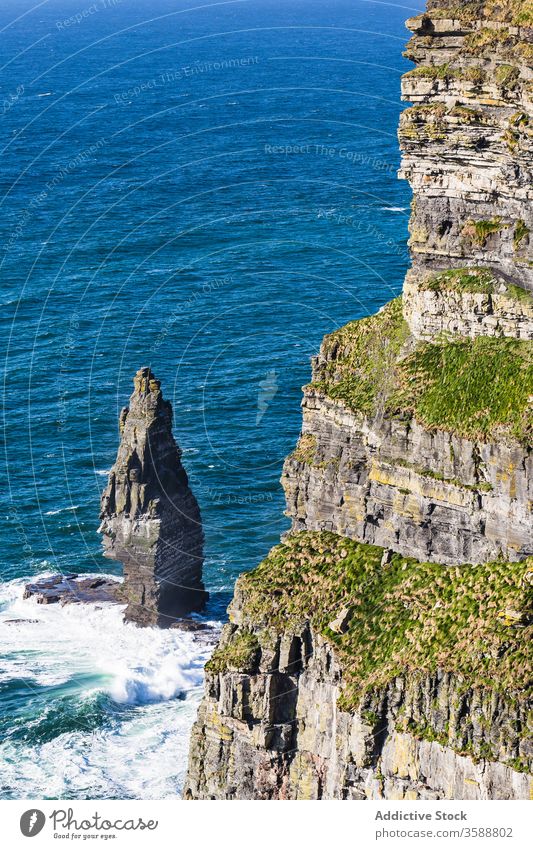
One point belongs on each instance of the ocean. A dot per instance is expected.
(206, 189)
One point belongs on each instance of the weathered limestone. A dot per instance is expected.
(271, 724)
(467, 149)
(276, 732)
(150, 518)
(433, 312)
(430, 494)
(467, 143)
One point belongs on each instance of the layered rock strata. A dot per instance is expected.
(150, 518)
(399, 447)
(434, 306)
(350, 672)
(384, 649)
(370, 467)
(467, 141)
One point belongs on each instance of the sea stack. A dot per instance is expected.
(150, 519)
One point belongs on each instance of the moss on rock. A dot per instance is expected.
(476, 281)
(238, 655)
(515, 12)
(306, 449)
(472, 280)
(479, 231)
(521, 232)
(447, 73)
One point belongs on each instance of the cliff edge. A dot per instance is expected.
(383, 650)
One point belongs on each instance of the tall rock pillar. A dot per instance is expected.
(150, 519)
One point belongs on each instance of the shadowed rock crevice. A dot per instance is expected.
(150, 519)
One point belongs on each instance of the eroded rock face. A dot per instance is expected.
(276, 732)
(467, 140)
(271, 725)
(150, 518)
(467, 147)
(431, 313)
(73, 589)
(429, 494)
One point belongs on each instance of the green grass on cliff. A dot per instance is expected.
(476, 388)
(239, 655)
(405, 615)
(516, 12)
(472, 387)
(480, 281)
(360, 359)
(447, 73)
(433, 72)
(479, 231)
(472, 280)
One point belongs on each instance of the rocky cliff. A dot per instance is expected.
(150, 518)
(350, 672)
(383, 650)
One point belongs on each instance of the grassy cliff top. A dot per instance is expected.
(403, 616)
(358, 362)
(476, 388)
(476, 281)
(516, 12)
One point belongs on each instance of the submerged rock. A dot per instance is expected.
(150, 518)
(191, 625)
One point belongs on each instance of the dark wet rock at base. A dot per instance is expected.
(71, 589)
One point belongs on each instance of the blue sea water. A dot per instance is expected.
(208, 189)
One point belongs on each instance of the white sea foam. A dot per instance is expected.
(139, 665)
(157, 674)
(144, 757)
(394, 208)
(62, 510)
